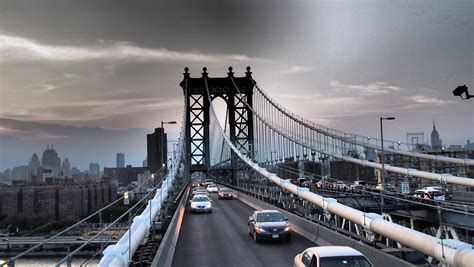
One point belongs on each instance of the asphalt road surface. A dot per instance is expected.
(221, 238)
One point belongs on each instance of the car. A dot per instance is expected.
(207, 182)
(200, 191)
(201, 203)
(447, 194)
(224, 193)
(270, 225)
(340, 185)
(331, 256)
(430, 194)
(302, 182)
(358, 185)
(321, 184)
(212, 188)
(388, 187)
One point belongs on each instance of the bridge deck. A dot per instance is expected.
(221, 239)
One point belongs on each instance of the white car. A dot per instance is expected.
(430, 193)
(201, 203)
(200, 191)
(212, 188)
(331, 256)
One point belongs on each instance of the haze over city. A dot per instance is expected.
(94, 77)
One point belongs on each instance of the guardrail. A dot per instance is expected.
(164, 255)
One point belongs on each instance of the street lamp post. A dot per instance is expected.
(382, 156)
(163, 143)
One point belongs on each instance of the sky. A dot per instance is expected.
(93, 77)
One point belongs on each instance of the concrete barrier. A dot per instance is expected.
(463, 196)
(164, 255)
(323, 236)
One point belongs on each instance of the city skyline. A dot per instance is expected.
(97, 86)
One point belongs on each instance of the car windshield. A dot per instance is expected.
(225, 190)
(270, 217)
(200, 199)
(344, 261)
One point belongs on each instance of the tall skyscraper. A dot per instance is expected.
(120, 160)
(51, 160)
(156, 149)
(94, 170)
(66, 168)
(436, 142)
(34, 165)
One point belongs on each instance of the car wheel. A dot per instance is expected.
(288, 239)
(248, 229)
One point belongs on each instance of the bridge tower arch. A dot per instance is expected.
(197, 104)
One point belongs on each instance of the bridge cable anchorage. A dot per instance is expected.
(459, 254)
(400, 170)
(340, 136)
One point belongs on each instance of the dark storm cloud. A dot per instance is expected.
(117, 64)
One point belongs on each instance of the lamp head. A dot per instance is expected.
(462, 89)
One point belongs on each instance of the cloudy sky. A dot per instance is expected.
(92, 77)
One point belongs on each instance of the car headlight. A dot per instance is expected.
(193, 205)
(208, 206)
(287, 229)
(259, 229)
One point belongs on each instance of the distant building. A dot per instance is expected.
(59, 201)
(40, 176)
(77, 175)
(436, 142)
(48, 175)
(5, 177)
(66, 168)
(124, 176)
(51, 160)
(21, 173)
(120, 160)
(455, 147)
(469, 145)
(141, 180)
(156, 149)
(34, 165)
(348, 171)
(94, 170)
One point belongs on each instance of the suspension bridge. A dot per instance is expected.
(257, 147)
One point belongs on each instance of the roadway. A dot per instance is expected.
(220, 238)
